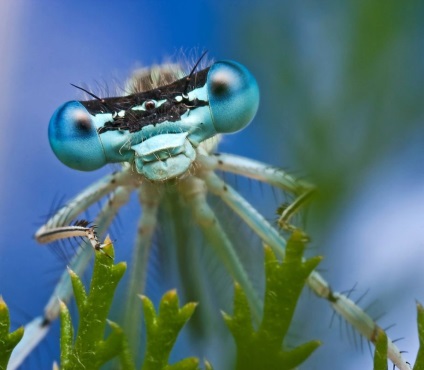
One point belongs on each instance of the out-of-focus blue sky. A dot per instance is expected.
(373, 234)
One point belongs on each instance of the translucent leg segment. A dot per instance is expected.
(35, 331)
(38, 328)
(243, 208)
(265, 173)
(149, 196)
(194, 191)
(353, 314)
(82, 201)
(254, 170)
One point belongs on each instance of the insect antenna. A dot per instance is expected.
(188, 78)
(88, 92)
(94, 96)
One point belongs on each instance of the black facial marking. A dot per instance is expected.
(134, 120)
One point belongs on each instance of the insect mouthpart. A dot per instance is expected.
(164, 156)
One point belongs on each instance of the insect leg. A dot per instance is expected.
(250, 168)
(38, 328)
(81, 202)
(194, 191)
(149, 197)
(254, 170)
(353, 314)
(244, 209)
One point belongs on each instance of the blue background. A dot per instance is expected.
(341, 103)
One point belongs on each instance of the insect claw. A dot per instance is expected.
(100, 247)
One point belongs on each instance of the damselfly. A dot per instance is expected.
(164, 133)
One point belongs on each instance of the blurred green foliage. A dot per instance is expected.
(341, 85)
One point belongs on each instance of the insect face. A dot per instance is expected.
(157, 130)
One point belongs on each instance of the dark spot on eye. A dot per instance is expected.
(220, 161)
(225, 188)
(219, 87)
(150, 104)
(83, 123)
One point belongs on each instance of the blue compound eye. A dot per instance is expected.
(233, 96)
(74, 138)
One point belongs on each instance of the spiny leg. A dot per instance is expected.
(79, 262)
(253, 169)
(245, 210)
(149, 197)
(194, 191)
(80, 228)
(83, 200)
(250, 168)
(353, 314)
(182, 254)
(36, 330)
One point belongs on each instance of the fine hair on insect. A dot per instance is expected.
(164, 133)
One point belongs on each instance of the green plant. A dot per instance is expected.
(88, 349)
(261, 347)
(8, 341)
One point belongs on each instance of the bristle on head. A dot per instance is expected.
(144, 79)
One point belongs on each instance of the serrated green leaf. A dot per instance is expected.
(293, 358)
(8, 341)
(112, 346)
(89, 350)
(256, 349)
(66, 335)
(240, 324)
(125, 357)
(262, 348)
(162, 331)
(380, 354)
(190, 363)
(79, 290)
(419, 362)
